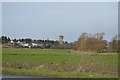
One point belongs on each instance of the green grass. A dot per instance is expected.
(56, 74)
(59, 63)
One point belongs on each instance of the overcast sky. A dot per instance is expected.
(49, 20)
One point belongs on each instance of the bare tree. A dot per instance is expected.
(89, 42)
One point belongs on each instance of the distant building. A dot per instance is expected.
(61, 39)
(25, 45)
(12, 42)
(34, 45)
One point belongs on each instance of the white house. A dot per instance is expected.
(12, 42)
(25, 45)
(34, 44)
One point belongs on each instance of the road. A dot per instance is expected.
(16, 76)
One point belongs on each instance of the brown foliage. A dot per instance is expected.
(89, 44)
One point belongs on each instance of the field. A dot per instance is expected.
(58, 63)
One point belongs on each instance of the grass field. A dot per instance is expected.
(58, 63)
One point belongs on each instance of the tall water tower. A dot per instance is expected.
(61, 39)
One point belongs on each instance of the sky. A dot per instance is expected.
(48, 20)
(0, 19)
(60, 0)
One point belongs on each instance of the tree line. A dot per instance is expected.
(86, 43)
(4, 39)
(44, 44)
(96, 43)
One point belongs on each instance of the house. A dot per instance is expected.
(34, 44)
(11, 42)
(25, 45)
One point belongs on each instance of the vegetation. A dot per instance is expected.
(96, 43)
(4, 39)
(49, 58)
(42, 44)
(115, 44)
(86, 43)
(55, 74)
(58, 63)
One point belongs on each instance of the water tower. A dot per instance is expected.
(61, 39)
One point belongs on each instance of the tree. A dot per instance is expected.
(115, 44)
(5, 39)
(28, 40)
(15, 40)
(0, 40)
(21, 40)
(87, 42)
